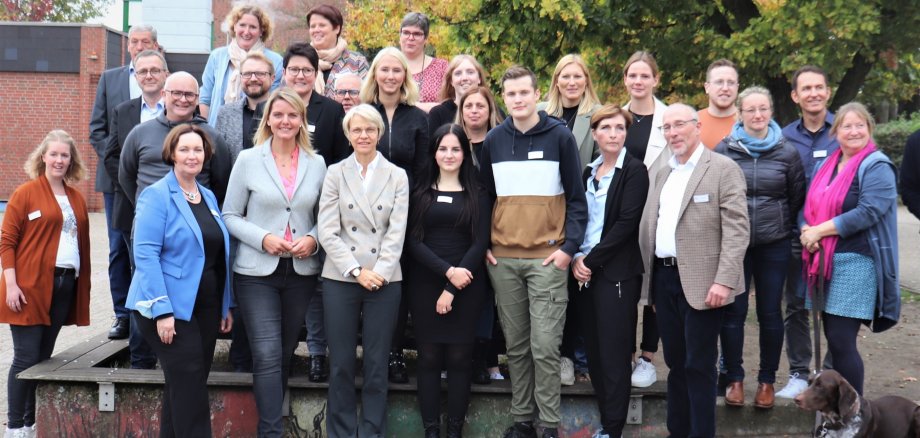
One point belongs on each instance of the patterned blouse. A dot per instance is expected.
(350, 62)
(430, 80)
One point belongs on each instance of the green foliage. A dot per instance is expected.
(71, 11)
(891, 137)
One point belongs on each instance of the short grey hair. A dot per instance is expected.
(365, 112)
(144, 28)
(345, 75)
(152, 53)
(416, 19)
(679, 106)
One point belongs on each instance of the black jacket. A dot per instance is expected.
(404, 141)
(617, 255)
(125, 117)
(910, 174)
(441, 115)
(775, 188)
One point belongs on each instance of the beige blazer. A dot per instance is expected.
(712, 227)
(587, 147)
(358, 228)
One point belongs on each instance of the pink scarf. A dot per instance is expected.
(825, 202)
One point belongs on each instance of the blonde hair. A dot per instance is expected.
(35, 167)
(645, 57)
(448, 91)
(554, 101)
(293, 99)
(370, 93)
(365, 112)
(265, 23)
(860, 110)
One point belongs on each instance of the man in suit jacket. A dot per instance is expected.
(115, 86)
(698, 227)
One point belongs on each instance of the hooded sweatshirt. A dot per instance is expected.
(533, 178)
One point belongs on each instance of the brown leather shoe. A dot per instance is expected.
(764, 398)
(734, 395)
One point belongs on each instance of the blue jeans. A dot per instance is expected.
(273, 308)
(689, 337)
(316, 332)
(119, 262)
(142, 356)
(767, 264)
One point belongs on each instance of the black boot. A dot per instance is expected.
(480, 373)
(397, 368)
(454, 427)
(432, 429)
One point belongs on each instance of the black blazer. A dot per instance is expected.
(617, 255)
(113, 89)
(324, 116)
(125, 117)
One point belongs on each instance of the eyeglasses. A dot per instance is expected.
(723, 83)
(254, 74)
(357, 132)
(343, 93)
(177, 94)
(677, 125)
(149, 71)
(412, 35)
(297, 71)
(752, 111)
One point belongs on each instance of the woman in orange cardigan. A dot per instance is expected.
(44, 249)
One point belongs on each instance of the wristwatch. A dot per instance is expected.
(356, 272)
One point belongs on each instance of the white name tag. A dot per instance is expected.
(311, 128)
(446, 199)
(701, 198)
(819, 154)
(35, 215)
(535, 155)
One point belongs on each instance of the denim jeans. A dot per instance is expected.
(31, 345)
(316, 332)
(142, 356)
(273, 308)
(767, 264)
(119, 262)
(689, 337)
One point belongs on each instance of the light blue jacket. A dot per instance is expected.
(876, 213)
(169, 251)
(215, 78)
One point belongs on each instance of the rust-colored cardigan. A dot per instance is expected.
(30, 246)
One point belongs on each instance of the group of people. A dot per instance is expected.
(312, 188)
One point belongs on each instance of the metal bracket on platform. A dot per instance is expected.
(634, 412)
(106, 397)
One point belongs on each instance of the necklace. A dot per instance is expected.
(638, 117)
(192, 196)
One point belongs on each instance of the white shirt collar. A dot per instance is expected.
(600, 159)
(691, 163)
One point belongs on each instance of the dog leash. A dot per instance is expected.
(817, 306)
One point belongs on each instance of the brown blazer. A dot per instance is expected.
(712, 236)
(358, 228)
(30, 246)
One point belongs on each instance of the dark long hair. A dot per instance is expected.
(423, 195)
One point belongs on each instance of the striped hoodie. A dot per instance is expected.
(534, 179)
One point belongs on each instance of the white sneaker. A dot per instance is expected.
(30, 432)
(495, 375)
(567, 371)
(19, 432)
(599, 434)
(645, 374)
(444, 374)
(794, 387)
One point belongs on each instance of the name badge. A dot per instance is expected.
(446, 199)
(535, 155)
(311, 128)
(214, 212)
(819, 154)
(701, 198)
(35, 215)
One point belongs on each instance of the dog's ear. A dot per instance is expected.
(847, 399)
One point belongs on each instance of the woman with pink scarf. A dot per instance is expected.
(850, 216)
(326, 23)
(221, 83)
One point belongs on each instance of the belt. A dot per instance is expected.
(666, 262)
(60, 272)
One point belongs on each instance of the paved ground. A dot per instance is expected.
(908, 228)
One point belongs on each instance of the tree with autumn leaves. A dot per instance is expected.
(870, 48)
(73, 11)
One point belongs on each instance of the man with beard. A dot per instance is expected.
(238, 122)
(721, 86)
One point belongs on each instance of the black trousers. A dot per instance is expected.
(186, 363)
(608, 311)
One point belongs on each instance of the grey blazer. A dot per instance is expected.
(113, 88)
(257, 205)
(712, 227)
(230, 127)
(359, 228)
(587, 147)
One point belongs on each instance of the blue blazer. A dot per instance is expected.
(169, 250)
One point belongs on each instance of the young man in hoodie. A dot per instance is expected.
(532, 172)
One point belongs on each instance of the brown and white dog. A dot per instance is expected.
(847, 415)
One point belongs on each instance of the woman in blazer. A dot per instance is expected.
(572, 99)
(403, 141)
(271, 208)
(645, 141)
(45, 251)
(181, 285)
(608, 267)
(362, 225)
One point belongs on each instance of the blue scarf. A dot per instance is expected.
(756, 146)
